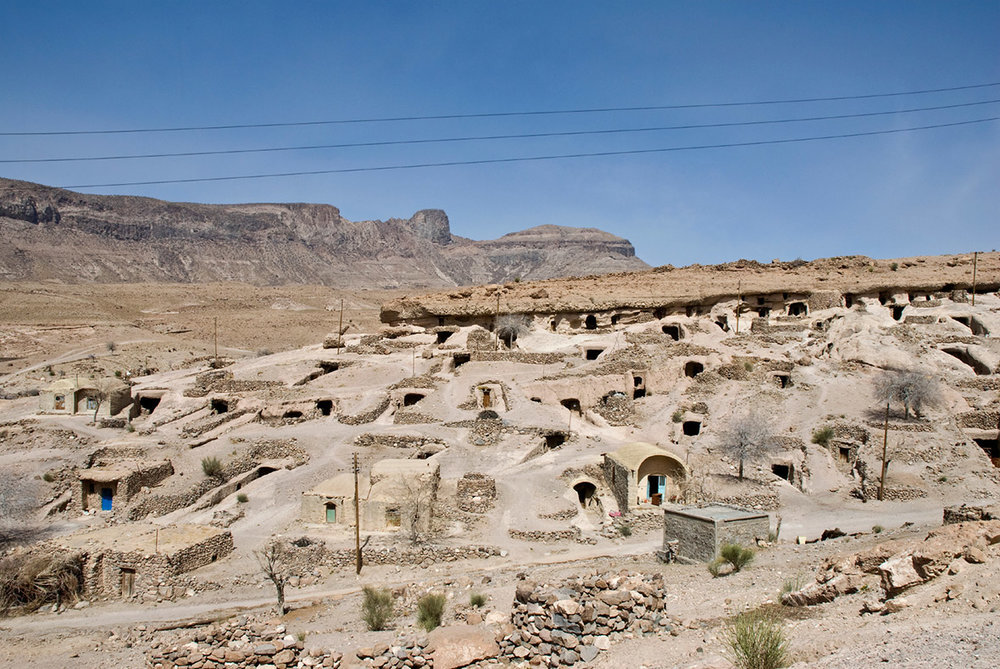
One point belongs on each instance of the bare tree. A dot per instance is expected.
(273, 561)
(511, 326)
(103, 390)
(909, 387)
(417, 497)
(747, 437)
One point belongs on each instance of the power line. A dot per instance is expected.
(487, 161)
(595, 110)
(442, 140)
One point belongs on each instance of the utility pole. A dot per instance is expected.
(496, 324)
(739, 303)
(357, 517)
(216, 337)
(975, 261)
(414, 372)
(885, 449)
(340, 326)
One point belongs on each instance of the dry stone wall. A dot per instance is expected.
(565, 623)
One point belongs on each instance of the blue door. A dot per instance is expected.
(105, 499)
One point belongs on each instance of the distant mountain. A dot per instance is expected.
(51, 233)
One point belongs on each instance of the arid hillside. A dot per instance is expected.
(50, 233)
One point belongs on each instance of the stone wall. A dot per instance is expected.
(372, 440)
(619, 480)
(366, 416)
(573, 621)
(476, 492)
(516, 356)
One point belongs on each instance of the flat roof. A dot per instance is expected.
(715, 512)
(144, 538)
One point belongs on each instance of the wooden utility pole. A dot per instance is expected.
(496, 324)
(357, 517)
(975, 261)
(885, 450)
(414, 372)
(739, 303)
(340, 326)
(216, 337)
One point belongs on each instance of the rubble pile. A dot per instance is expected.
(239, 644)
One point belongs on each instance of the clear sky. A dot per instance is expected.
(122, 65)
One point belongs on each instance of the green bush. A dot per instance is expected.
(822, 435)
(242, 498)
(376, 607)
(748, 366)
(736, 555)
(715, 567)
(677, 416)
(625, 530)
(756, 640)
(211, 466)
(430, 608)
(894, 266)
(877, 529)
(477, 599)
(48, 477)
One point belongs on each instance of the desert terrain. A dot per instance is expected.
(517, 446)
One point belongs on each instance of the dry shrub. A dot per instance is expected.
(29, 581)
(756, 640)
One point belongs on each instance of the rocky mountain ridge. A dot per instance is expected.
(51, 233)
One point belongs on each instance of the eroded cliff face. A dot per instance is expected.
(50, 233)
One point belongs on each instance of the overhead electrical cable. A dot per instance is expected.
(522, 159)
(475, 138)
(552, 112)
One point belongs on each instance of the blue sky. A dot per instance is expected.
(108, 65)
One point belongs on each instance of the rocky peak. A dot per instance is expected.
(432, 225)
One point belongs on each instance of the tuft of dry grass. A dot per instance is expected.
(29, 581)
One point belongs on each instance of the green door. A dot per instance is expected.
(331, 513)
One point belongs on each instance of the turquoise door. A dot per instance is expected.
(105, 499)
(656, 484)
(331, 513)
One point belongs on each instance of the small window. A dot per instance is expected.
(92, 404)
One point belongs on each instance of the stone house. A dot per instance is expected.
(110, 488)
(76, 396)
(397, 495)
(701, 531)
(133, 560)
(643, 474)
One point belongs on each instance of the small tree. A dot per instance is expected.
(417, 498)
(511, 326)
(909, 387)
(103, 390)
(273, 561)
(747, 437)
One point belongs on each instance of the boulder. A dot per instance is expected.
(458, 646)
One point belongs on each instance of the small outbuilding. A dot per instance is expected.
(84, 396)
(399, 495)
(110, 488)
(641, 473)
(134, 560)
(701, 531)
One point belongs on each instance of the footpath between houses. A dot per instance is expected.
(555, 624)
